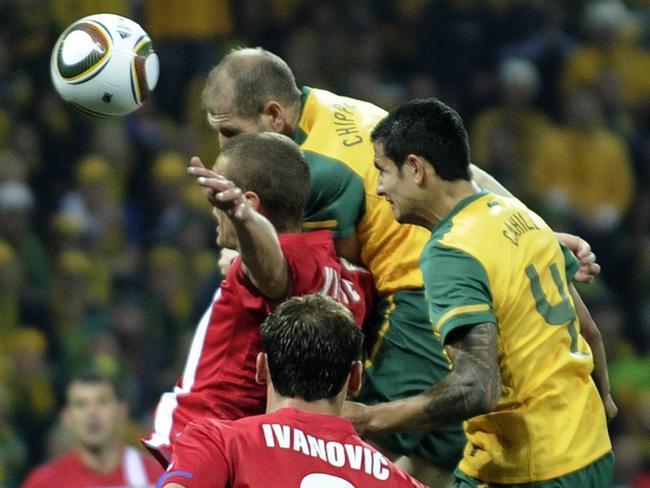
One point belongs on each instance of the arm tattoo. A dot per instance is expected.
(473, 386)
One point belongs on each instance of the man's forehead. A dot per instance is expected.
(85, 389)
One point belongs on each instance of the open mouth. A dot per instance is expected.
(94, 427)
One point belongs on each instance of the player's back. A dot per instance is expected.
(225, 373)
(219, 376)
(549, 420)
(334, 134)
(288, 448)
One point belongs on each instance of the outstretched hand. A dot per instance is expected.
(589, 268)
(220, 191)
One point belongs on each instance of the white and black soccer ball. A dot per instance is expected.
(104, 65)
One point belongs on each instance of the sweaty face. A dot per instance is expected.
(228, 125)
(94, 414)
(392, 184)
(226, 236)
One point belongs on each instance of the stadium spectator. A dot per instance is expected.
(95, 415)
(611, 58)
(583, 170)
(507, 135)
(17, 228)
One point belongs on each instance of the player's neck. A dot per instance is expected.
(325, 407)
(103, 460)
(293, 117)
(446, 200)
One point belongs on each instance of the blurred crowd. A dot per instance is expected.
(107, 254)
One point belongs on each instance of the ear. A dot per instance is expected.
(418, 166)
(277, 114)
(261, 369)
(356, 375)
(253, 200)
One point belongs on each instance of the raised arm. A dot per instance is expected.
(259, 246)
(589, 330)
(487, 181)
(471, 388)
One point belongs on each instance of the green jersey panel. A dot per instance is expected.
(455, 303)
(334, 134)
(336, 199)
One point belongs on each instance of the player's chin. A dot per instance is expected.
(94, 441)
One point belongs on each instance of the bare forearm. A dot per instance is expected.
(471, 388)
(589, 330)
(448, 402)
(599, 374)
(487, 181)
(262, 256)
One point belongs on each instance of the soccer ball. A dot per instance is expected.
(104, 65)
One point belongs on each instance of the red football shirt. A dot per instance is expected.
(219, 376)
(68, 471)
(288, 448)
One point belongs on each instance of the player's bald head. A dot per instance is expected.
(245, 80)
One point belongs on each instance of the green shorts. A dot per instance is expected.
(405, 359)
(599, 474)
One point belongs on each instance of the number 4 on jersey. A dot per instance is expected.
(560, 313)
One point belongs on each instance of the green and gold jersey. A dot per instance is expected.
(493, 260)
(334, 134)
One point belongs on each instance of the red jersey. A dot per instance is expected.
(219, 376)
(288, 448)
(68, 471)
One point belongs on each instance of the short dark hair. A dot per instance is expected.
(91, 376)
(311, 342)
(253, 76)
(427, 128)
(273, 166)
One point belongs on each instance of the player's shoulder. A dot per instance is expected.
(218, 432)
(207, 424)
(475, 218)
(43, 474)
(328, 100)
(300, 244)
(206, 433)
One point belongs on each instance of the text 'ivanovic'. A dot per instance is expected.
(337, 454)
